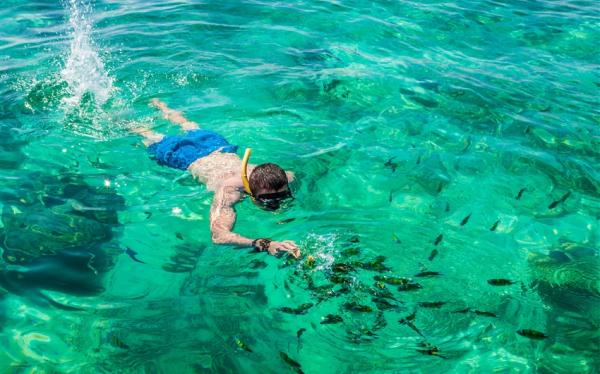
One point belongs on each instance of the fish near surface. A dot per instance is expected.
(355, 307)
(520, 194)
(302, 309)
(484, 313)
(438, 240)
(495, 225)
(433, 254)
(500, 282)
(342, 268)
(532, 334)
(465, 220)
(554, 204)
(426, 274)
(241, 345)
(432, 304)
(331, 319)
(408, 321)
(409, 287)
(294, 365)
(391, 280)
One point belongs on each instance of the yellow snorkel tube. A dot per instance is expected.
(245, 170)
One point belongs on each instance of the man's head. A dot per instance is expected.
(269, 185)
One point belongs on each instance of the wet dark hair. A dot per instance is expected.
(267, 176)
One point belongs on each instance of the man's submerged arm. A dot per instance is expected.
(222, 217)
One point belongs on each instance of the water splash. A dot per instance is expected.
(84, 70)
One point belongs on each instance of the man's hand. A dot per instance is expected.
(284, 246)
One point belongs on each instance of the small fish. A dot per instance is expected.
(465, 220)
(292, 363)
(331, 319)
(440, 187)
(382, 303)
(520, 194)
(419, 160)
(409, 287)
(351, 251)
(391, 165)
(390, 198)
(500, 282)
(373, 266)
(493, 228)
(561, 200)
(391, 280)
(396, 239)
(355, 307)
(425, 274)
(462, 311)
(408, 321)
(485, 314)
(148, 214)
(241, 345)
(131, 253)
(380, 322)
(179, 236)
(310, 262)
(257, 264)
(433, 254)
(434, 351)
(117, 342)
(338, 279)
(354, 239)
(284, 221)
(532, 334)
(438, 240)
(300, 332)
(342, 268)
(433, 304)
(302, 309)
(447, 207)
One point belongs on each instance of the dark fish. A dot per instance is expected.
(493, 228)
(425, 274)
(520, 193)
(291, 363)
(117, 342)
(372, 266)
(391, 196)
(380, 322)
(302, 309)
(131, 253)
(409, 287)
(179, 236)
(355, 307)
(485, 314)
(447, 207)
(382, 303)
(338, 279)
(351, 251)
(380, 292)
(440, 187)
(148, 214)
(425, 102)
(391, 280)
(439, 239)
(300, 332)
(462, 311)
(331, 319)
(408, 321)
(432, 304)
(431, 351)
(257, 264)
(354, 239)
(532, 334)
(561, 200)
(465, 220)
(396, 239)
(391, 165)
(342, 268)
(241, 345)
(419, 160)
(433, 254)
(500, 282)
(284, 221)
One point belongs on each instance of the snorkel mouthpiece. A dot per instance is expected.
(245, 171)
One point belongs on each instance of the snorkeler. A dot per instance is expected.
(211, 159)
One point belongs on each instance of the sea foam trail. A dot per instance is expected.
(84, 70)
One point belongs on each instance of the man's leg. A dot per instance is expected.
(150, 137)
(174, 116)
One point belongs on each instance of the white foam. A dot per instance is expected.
(84, 70)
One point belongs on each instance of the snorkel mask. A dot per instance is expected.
(267, 201)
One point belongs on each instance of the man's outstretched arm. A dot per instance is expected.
(222, 218)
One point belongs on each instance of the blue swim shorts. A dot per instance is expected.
(179, 151)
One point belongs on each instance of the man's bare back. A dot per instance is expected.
(221, 173)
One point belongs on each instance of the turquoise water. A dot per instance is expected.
(470, 124)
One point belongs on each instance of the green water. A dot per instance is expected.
(400, 119)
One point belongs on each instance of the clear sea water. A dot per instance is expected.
(468, 128)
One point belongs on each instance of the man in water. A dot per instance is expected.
(211, 159)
